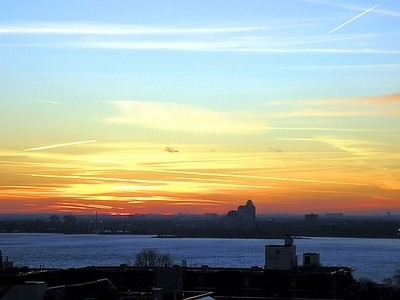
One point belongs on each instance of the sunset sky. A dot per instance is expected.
(127, 107)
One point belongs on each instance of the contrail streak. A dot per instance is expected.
(60, 145)
(50, 102)
(356, 17)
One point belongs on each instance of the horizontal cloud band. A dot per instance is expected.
(186, 118)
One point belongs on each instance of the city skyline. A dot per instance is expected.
(127, 107)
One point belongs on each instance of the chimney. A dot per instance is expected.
(288, 240)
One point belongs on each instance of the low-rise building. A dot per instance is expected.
(279, 257)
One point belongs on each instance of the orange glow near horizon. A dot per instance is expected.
(144, 178)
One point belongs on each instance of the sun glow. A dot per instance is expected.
(147, 174)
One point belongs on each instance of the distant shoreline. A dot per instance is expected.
(171, 236)
(187, 227)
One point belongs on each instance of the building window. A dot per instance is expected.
(293, 282)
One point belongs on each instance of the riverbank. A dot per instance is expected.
(203, 227)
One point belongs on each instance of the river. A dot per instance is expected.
(373, 258)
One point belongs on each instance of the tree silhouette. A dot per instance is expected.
(389, 289)
(151, 257)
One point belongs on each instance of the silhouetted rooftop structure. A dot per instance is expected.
(311, 218)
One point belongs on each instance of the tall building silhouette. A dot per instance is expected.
(245, 215)
(248, 210)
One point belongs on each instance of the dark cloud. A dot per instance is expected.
(171, 150)
(275, 149)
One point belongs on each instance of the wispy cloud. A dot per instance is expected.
(352, 7)
(113, 29)
(59, 145)
(260, 46)
(269, 178)
(186, 118)
(383, 105)
(356, 147)
(174, 199)
(49, 102)
(383, 99)
(258, 39)
(344, 67)
(82, 206)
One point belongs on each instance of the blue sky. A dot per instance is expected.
(247, 78)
